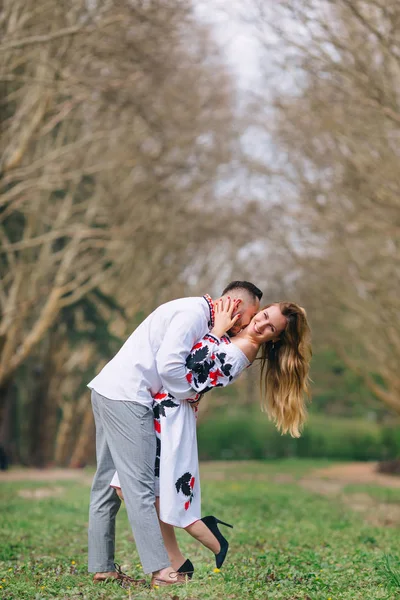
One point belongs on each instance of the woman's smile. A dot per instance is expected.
(256, 329)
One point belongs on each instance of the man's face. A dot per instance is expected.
(248, 307)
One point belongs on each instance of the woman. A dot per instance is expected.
(282, 333)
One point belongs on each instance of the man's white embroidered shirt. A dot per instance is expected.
(154, 355)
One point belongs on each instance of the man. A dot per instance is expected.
(122, 398)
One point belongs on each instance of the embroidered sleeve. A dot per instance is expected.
(207, 365)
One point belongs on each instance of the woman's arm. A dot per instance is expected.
(207, 365)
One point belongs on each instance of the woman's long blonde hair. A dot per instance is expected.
(285, 366)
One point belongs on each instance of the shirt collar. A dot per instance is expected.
(210, 303)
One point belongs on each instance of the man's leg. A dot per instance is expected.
(129, 430)
(175, 556)
(104, 503)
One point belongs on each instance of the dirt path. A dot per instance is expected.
(331, 481)
(334, 477)
(50, 475)
(358, 473)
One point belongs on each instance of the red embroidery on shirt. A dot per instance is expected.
(197, 346)
(157, 426)
(194, 399)
(214, 375)
(160, 396)
(187, 504)
(192, 482)
(189, 377)
(212, 309)
(211, 338)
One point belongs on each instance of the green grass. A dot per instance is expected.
(287, 544)
(266, 470)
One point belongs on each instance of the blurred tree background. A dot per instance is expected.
(132, 173)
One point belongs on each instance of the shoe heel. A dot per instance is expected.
(222, 523)
(187, 569)
(212, 523)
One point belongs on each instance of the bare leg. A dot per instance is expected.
(119, 493)
(200, 532)
(171, 544)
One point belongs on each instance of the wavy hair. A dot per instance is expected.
(285, 366)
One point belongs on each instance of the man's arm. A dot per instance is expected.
(184, 330)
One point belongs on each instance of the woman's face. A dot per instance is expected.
(267, 324)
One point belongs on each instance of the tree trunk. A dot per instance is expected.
(84, 443)
(6, 428)
(63, 434)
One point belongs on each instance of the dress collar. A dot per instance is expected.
(210, 303)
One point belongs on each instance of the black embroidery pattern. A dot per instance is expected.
(199, 365)
(159, 407)
(206, 368)
(162, 401)
(158, 455)
(225, 367)
(185, 484)
(210, 303)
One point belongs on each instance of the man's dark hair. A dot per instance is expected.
(253, 290)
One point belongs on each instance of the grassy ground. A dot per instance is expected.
(288, 543)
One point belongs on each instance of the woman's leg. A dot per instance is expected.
(179, 423)
(201, 533)
(168, 532)
(119, 493)
(171, 544)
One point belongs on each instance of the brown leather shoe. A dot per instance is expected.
(122, 578)
(174, 578)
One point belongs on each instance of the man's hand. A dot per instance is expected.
(223, 321)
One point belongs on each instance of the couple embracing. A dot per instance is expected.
(145, 403)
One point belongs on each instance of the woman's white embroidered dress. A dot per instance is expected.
(213, 362)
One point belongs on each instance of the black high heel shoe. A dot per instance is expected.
(187, 569)
(212, 524)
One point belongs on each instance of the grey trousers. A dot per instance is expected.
(126, 442)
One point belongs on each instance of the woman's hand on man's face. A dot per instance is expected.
(224, 319)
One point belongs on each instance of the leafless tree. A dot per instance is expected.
(334, 122)
(116, 122)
